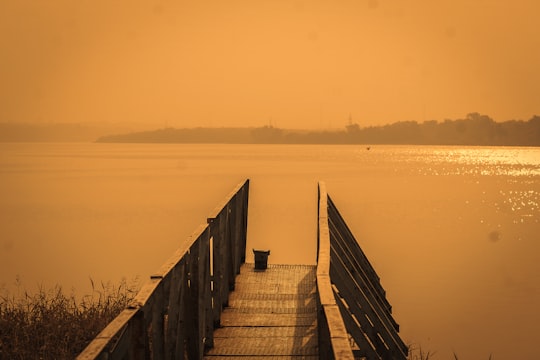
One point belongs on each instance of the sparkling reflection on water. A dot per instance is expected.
(519, 166)
(501, 161)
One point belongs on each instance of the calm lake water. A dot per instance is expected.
(453, 232)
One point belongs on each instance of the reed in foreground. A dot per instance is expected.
(52, 325)
(416, 353)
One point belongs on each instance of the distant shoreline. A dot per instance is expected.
(474, 130)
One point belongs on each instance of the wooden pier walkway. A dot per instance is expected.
(271, 313)
(206, 302)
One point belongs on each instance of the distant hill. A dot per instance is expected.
(59, 132)
(193, 135)
(475, 129)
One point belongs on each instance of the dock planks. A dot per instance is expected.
(271, 314)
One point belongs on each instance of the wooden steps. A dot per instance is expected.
(271, 314)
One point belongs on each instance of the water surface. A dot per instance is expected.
(452, 231)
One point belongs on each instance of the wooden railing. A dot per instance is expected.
(173, 316)
(333, 336)
(355, 290)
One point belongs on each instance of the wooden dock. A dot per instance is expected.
(205, 302)
(272, 313)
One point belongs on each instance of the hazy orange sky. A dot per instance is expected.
(294, 64)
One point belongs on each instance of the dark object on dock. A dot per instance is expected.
(261, 259)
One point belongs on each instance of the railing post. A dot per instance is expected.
(137, 350)
(243, 214)
(176, 334)
(157, 313)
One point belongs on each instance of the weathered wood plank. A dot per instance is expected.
(268, 346)
(265, 331)
(174, 336)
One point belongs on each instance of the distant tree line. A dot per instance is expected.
(474, 129)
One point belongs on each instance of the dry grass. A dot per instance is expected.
(416, 353)
(52, 325)
(457, 358)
